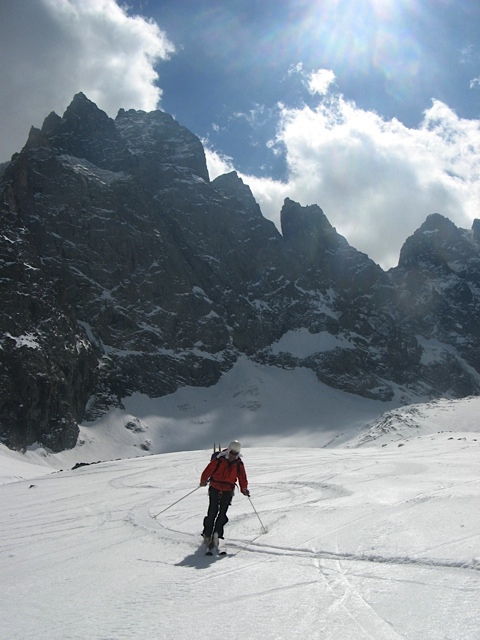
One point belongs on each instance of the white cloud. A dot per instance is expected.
(320, 81)
(375, 179)
(52, 49)
(217, 164)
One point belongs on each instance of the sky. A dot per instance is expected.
(368, 108)
(376, 538)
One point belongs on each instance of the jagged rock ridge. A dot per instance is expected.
(125, 269)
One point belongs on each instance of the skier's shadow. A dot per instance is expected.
(197, 560)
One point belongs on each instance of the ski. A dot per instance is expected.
(209, 552)
(213, 544)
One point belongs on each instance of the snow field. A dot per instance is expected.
(368, 543)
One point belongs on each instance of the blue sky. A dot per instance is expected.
(236, 60)
(369, 108)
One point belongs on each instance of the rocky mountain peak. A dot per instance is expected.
(232, 186)
(438, 243)
(36, 138)
(124, 269)
(476, 230)
(308, 228)
(85, 131)
(317, 244)
(161, 141)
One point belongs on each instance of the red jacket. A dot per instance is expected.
(223, 474)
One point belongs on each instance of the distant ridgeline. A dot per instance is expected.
(123, 269)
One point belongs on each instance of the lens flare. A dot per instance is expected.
(356, 39)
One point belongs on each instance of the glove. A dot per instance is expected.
(203, 484)
(246, 492)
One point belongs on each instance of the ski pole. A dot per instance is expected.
(264, 529)
(174, 503)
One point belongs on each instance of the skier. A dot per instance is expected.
(223, 470)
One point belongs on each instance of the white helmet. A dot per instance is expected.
(234, 446)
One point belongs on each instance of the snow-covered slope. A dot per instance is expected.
(368, 543)
(260, 405)
(378, 541)
(406, 423)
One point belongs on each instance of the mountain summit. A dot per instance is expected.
(124, 268)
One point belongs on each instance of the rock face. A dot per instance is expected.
(125, 269)
(47, 363)
(437, 298)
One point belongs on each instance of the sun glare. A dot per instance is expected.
(361, 38)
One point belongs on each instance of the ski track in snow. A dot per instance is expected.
(357, 608)
(360, 544)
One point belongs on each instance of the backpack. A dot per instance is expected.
(215, 455)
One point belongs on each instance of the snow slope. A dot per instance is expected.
(374, 542)
(260, 405)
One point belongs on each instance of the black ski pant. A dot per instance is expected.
(216, 517)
